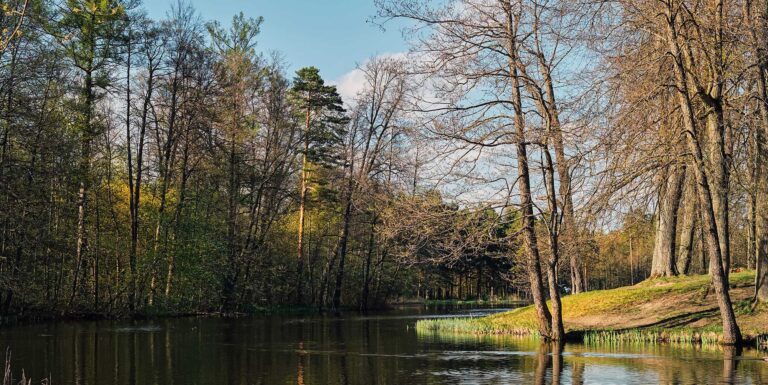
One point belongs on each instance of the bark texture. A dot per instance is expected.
(664, 263)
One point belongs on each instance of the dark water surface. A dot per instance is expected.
(382, 348)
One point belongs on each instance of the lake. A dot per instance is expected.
(380, 348)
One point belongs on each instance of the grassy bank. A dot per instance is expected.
(679, 309)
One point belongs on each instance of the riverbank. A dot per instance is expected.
(679, 309)
(475, 302)
(35, 317)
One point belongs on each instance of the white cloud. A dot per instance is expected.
(352, 82)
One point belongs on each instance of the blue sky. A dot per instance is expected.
(332, 35)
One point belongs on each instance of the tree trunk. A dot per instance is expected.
(751, 228)
(82, 195)
(367, 276)
(136, 199)
(302, 208)
(719, 170)
(558, 330)
(530, 243)
(341, 250)
(569, 232)
(761, 278)
(688, 226)
(663, 263)
(132, 250)
(185, 173)
(731, 332)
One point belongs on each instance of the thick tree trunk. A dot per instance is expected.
(718, 164)
(302, 205)
(751, 229)
(731, 332)
(558, 330)
(530, 243)
(702, 254)
(663, 263)
(761, 279)
(569, 233)
(687, 226)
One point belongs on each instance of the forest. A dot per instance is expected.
(523, 150)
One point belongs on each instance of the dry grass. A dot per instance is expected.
(8, 374)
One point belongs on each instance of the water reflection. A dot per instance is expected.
(381, 349)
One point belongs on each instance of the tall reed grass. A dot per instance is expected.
(8, 374)
(469, 325)
(652, 336)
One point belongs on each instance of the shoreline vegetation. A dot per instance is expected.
(42, 316)
(664, 310)
(148, 314)
(474, 302)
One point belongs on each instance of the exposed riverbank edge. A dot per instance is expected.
(676, 310)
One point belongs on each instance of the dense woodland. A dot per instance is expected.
(526, 149)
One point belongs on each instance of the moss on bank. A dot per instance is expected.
(679, 309)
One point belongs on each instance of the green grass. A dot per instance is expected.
(477, 326)
(638, 313)
(653, 335)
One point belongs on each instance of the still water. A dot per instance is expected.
(382, 348)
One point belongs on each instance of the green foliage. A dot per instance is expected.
(320, 109)
(240, 39)
(89, 31)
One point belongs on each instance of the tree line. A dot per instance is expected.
(169, 166)
(531, 148)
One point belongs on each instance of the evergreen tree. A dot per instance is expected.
(322, 111)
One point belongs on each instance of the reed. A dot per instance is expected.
(8, 374)
(652, 336)
(470, 325)
(762, 342)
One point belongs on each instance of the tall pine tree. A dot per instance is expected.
(322, 111)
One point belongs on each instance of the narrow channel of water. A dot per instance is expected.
(381, 348)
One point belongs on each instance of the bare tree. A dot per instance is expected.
(755, 19)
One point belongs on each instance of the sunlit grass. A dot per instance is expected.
(651, 336)
(467, 326)
(609, 306)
